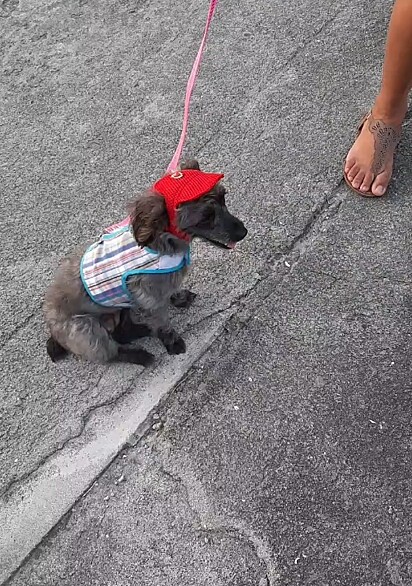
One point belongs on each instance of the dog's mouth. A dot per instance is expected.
(225, 245)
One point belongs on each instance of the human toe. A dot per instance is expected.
(367, 182)
(357, 181)
(380, 185)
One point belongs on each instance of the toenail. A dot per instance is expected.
(364, 188)
(380, 190)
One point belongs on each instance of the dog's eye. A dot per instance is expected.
(220, 195)
(221, 199)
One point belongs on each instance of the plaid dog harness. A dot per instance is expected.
(108, 263)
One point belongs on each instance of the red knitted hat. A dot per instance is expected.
(181, 187)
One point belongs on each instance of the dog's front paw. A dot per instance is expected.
(183, 298)
(173, 343)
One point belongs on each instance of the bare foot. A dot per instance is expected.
(369, 163)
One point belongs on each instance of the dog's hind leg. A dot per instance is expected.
(84, 336)
(55, 350)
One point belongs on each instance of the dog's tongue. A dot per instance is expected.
(231, 245)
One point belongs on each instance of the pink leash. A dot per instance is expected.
(174, 163)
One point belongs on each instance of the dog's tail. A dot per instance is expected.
(55, 350)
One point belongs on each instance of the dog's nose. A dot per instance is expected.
(235, 228)
(240, 232)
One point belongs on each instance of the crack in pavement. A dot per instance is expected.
(85, 417)
(302, 46)
(233, 304)
(323, 212)
(214, 525)
(320, 214)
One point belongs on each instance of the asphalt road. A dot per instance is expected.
(284, 455)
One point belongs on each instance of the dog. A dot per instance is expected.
(91, 309)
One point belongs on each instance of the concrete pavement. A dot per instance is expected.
(283, 457)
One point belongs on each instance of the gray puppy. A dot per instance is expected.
(91, 308)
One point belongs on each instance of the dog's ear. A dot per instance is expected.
(190, 164)
(148, 217)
